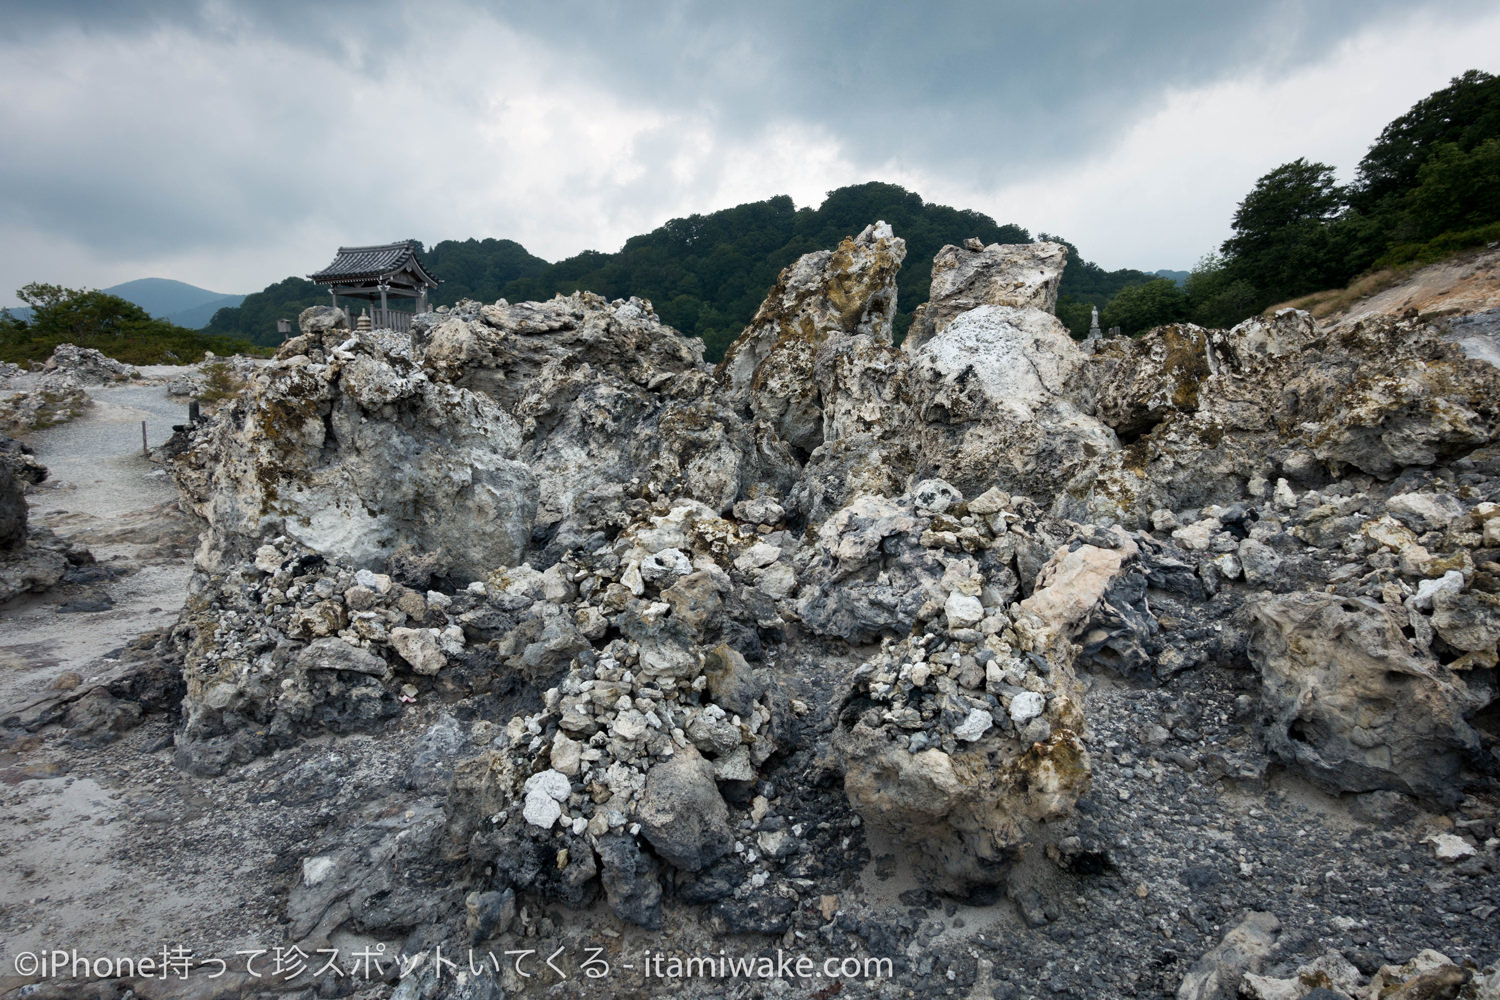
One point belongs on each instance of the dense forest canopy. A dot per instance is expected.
(705, 274)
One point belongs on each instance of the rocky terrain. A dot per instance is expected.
(529, 655)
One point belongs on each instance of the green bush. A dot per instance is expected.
(219, 383)
(108, 324)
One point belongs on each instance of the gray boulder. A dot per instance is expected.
(357, 457)
(824, 297)
(682, 814)
(1345, 698)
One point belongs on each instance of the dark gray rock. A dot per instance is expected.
(682, 814)
(434, 755)
(630, 881)
(758, 913)
(489, 914)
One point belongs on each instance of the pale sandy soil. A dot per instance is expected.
(1466, 284)
(90, 841)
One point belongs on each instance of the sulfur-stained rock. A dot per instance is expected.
(1216, 975)
(1204, 413)
(962, 817)
(824, 297)
(1469, 622)
(419, 648)
(356, 457)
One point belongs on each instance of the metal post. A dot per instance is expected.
(144, 450)
(193, 412)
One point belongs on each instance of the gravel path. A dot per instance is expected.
(95, 462)
(101, 491)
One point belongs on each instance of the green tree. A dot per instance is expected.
(85, 314)
(1465, 113)
(107, 323)
(1281, 242)
(1139, 308)
(1215, 297)
(1456, 189)
(254, 319)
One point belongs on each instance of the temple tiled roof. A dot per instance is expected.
(372, 263)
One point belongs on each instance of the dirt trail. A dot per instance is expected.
(85, 862)
(1469, 283)
(102, 492)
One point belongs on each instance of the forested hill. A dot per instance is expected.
(707, 274)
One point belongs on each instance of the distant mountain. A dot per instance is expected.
(1180, 277)
(175, 301)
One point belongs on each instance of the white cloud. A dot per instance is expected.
(1164, 194)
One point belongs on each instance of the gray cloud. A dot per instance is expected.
(155, 131)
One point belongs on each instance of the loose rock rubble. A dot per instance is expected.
(1168, 667)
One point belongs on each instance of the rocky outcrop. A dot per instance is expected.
(356, 455)
(1346, 699)
(610, 406)
(35, 402)
(88, 366)
(30, 560)
(1214, 416)
(975, 396)
(988, 395)
(703, 628)
(823, 298)
(1024, 276)
(17, 468)
(964, 740)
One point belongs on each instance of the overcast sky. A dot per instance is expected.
(230, 144)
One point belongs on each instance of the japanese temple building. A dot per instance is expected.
(377, 274)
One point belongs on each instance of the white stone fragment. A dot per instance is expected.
(963, 611)
(974, 726)
(1447, 847)
(267, 559)
(1026, 706)
(315, 870)
(541, 809)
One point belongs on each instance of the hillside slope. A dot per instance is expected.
(1459, 286)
